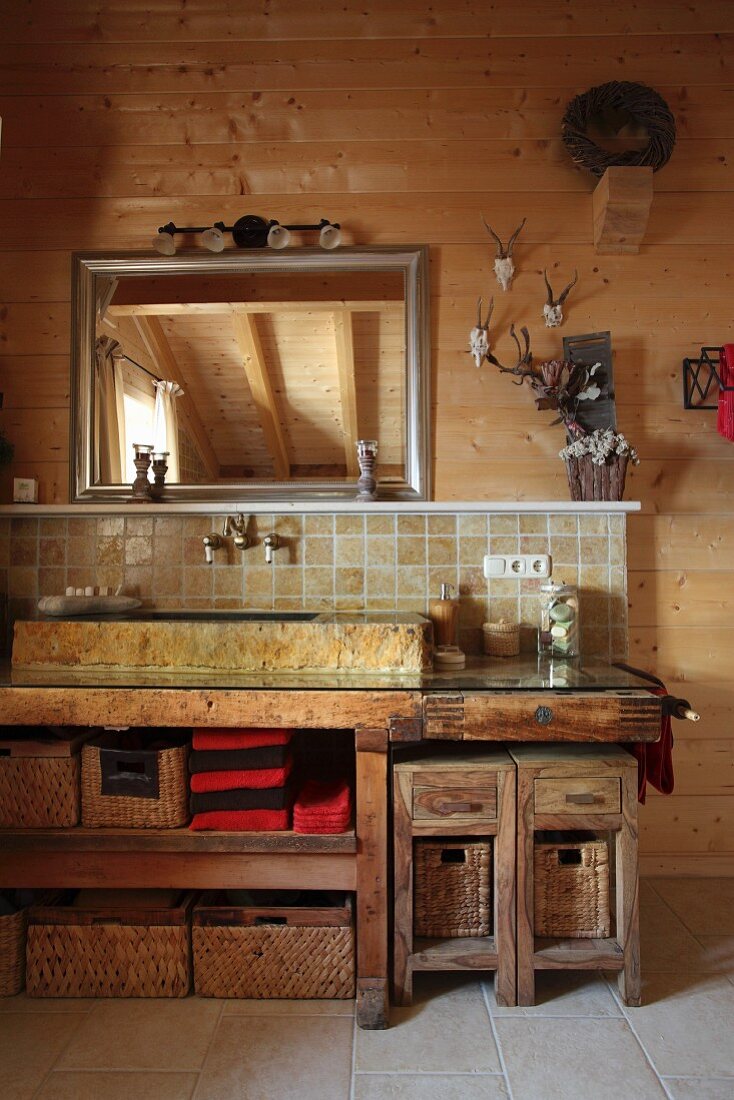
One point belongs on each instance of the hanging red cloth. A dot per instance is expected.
(655, 758)
(725, 416)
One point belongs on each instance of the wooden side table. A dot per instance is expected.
(456, 796)
(578, 787)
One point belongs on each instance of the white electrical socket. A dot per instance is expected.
(517, 565)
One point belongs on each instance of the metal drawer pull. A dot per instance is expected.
(456, 807)
(582, 799)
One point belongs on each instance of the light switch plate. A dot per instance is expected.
(517, 565)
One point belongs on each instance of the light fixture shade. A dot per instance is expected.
(278, 237)
(213, 239)
(165, 244)
(330, 237)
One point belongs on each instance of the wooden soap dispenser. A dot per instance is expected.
(444, 614)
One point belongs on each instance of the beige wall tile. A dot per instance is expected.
(444, 525)
(24, 551)
(110, 526)
(349, 525)
(593, 551)
(110, 551)
(51, 581)
(411, 551)
(472, 551)
(349, 551)
(411, 581)
(504, 524)
(564, 549)
(167, 580)
(503, 544)
(227, 581)
(168, 527)
(24, 527)
(348, 582)
(593, 576)
(138, 551)
(472, 524)
(411, 525)
(318, 525)
(22, 581)
(380, 551)
(381, 525)
(593, 525)
(81, 527)
(52, 527)
(560, 524)
(167, 549)
(319, 582)
(289, 581)
(442, 574)
(138, 577)
(534, 544)
(51, 551)
(136, 527)
(195, 527)
(318, 551)
(259, 582)
(533, 525)
(288, 526)
(380, 583)
(198, 581)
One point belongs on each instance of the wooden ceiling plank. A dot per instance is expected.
(155, 340)
(347, 387)
(253, 361)
(175, 309)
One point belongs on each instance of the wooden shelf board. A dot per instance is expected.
(577, 954)
(465, 953)
(172, 840)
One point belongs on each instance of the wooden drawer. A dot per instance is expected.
(454, 803)
(578, 796)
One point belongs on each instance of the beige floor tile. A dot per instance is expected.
(665, 942)
(288, 1008)
(447, 1030)
(557, 1059)
(144, 1034)
(22, 1003)
(685, 1024)
(69, 1085)
(563, 993)
(705, 905)
(700, 1088)
(279, 1058)
(718, 954)
(406, 1086)
(30, 1043)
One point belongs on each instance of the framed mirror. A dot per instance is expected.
(255, 371)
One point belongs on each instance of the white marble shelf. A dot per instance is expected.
(339, 507)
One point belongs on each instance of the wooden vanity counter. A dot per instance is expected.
(516, 699)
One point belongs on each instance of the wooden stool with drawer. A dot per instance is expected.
(588, 788)
(467, 796)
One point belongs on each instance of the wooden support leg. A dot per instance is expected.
(403, 889)
(525, 887)
(505, 977)
(628, 893)
(372, 886)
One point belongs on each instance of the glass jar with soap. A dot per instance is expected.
(559, 620)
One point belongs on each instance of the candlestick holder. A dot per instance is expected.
(367, 457)
(141, 485)
(160, 469)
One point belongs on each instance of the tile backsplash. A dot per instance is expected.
(342, 562)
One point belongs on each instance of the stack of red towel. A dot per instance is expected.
(323, 807)
(240, 779)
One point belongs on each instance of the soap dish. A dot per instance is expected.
(449, 656)
(87, 605)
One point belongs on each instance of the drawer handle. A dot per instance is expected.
(544, 715)
(456, 808)
(581, 799)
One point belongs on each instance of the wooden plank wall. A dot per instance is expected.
(406, 122)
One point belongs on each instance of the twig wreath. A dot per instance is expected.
(644, 106)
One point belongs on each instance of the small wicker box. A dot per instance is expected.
(108, 951)
(273, 952)
(39, 777)
(572, 889)
(501, 639)
(134, 789)
(12, 952)
(452, 888)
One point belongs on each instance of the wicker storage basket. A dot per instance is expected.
(274, 952)
(109, 952)
(39, 792)
(452, 888)
(501, 639)
(12, 952)
(572, 889)
(134, 789)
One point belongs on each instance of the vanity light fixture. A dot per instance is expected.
(250, 231)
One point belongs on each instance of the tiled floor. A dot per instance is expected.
(578, 1042)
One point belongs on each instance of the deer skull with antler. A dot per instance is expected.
(504, 267)
(479, 335)
(553, 308)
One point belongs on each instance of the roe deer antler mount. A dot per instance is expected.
(504, 267)
(479, 335)
(553, 308)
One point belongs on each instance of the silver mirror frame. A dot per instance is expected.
(411, 260)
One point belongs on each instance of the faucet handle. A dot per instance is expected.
(211, 542)
(271, 542)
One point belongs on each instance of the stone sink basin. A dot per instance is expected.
(231, 640)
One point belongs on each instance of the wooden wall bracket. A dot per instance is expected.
(621, 205)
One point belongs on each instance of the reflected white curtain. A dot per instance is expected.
(109, 415)
(165, 425)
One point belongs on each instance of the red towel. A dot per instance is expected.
(242, 821)
(323, 807)
(236, 780)
(725, 416)
(239, 739)
(655, 758)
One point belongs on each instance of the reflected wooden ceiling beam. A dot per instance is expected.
(248, 339)
(154, 337)
(175, 309)
(347, 387)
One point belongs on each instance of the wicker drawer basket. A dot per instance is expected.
(452, 895)
(12, 952)
(109, 951)
(39, 777)
(143, 788)
(272, 951)
(572, 889)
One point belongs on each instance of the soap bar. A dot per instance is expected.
(561, 613)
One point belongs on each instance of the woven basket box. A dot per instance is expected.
(144, 788)
(39, 777)
(452, 893)
(106, 951)
(273, 952)
(572, 889)
(12, 952)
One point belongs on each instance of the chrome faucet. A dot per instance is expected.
(271, 542)
(241, 538)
